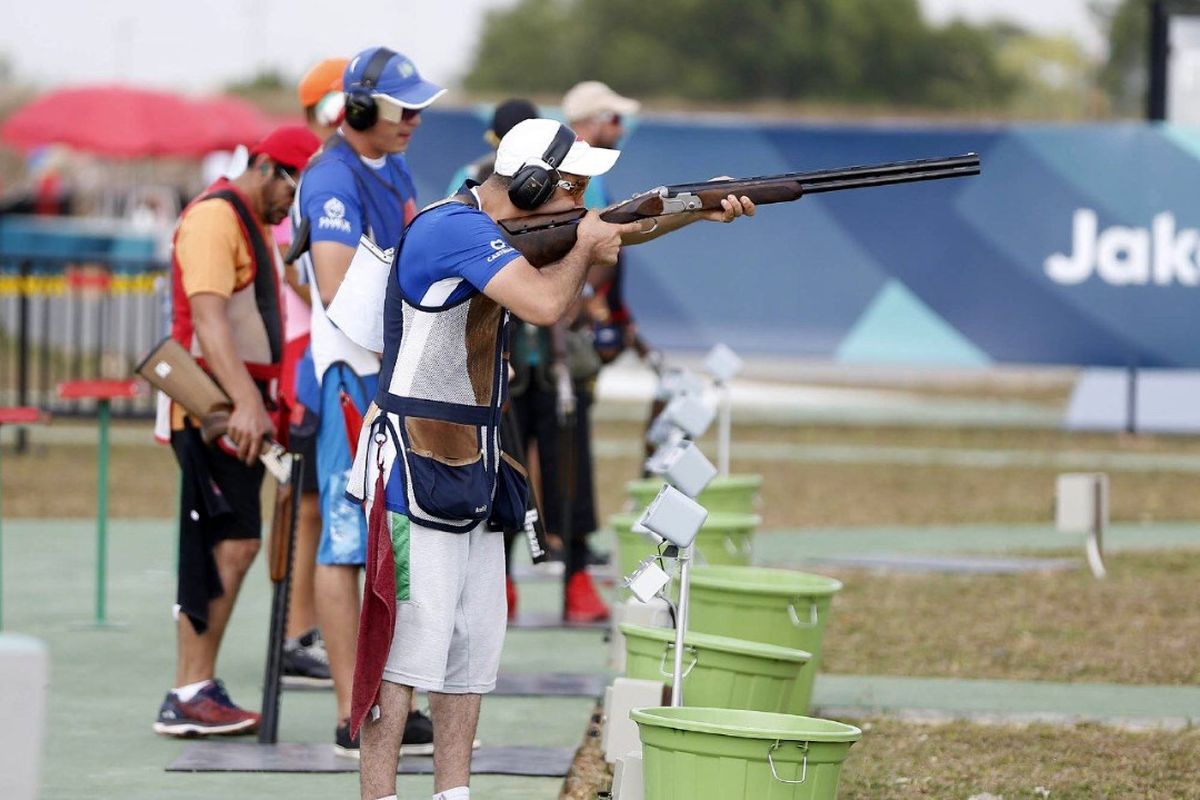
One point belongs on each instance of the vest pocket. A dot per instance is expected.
(447, 474)
(512, 495)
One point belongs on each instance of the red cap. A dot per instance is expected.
(291, 146)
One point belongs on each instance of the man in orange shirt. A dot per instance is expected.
(226, 274)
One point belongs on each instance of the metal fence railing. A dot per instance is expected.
(78, 316)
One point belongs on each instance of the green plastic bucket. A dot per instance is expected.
(718, 671)
(725, 538)
(737, 494)
(775, 606)
(722, 754)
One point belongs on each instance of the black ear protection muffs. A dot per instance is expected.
(533, 183)
(361, 109)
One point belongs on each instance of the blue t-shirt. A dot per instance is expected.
(451, 253)
(340, 192)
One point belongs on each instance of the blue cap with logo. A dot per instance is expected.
(398, 80)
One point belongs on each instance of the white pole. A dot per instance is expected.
(725, 428)
(681, 617)
(1095, 540)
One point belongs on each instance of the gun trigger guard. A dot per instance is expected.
(653, 226)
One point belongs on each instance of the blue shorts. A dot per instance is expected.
(343, 523)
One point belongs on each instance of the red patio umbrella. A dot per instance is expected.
(230, 121)
(128, 122)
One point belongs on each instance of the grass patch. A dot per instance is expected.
(801, 494)
(60, 481)
(1140, 625)
(900, 760)
(144, 479)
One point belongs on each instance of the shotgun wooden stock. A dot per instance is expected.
(546, 238)
(279, 550)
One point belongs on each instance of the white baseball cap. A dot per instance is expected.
(528, 141)
(587, 99)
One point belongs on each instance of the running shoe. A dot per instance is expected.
(209, 713)
(344, 744)
(583, 602)
(418, 735)
(305, 662)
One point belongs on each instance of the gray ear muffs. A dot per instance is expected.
(533, 184)
(361, 109)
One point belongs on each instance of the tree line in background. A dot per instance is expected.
(875, 53)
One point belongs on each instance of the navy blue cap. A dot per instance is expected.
(398, 80)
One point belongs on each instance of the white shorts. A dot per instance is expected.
(450, 629)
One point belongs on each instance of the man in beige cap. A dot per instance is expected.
(597, 114)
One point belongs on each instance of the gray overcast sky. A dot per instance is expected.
(199, 44)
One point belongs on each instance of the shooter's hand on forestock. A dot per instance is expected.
(731, 208)
(249, 425)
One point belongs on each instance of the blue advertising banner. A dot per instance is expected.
(1077, 244)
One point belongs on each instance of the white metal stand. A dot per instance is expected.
(1095, 539)
(681, 621)
(725, 426)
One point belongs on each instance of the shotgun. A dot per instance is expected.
(546, 238)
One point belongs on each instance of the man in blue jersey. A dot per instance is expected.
(359, 186)
(429, 464)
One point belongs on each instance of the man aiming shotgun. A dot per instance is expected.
(544, 238)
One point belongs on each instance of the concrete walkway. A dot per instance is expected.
(781, 547)
(856, 696)
(106, 685)
(1089, 460)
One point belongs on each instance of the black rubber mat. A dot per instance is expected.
(530, 620)
(550, 684)
(548, 762)
(529, 684)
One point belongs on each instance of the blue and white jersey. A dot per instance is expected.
(344, 197)
(444, 378)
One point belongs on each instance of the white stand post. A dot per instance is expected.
(1095, 540)
(725, 424)
(1082, 507)
(681, 617)
(724, 365)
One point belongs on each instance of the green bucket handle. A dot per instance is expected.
(670, 673)
(733, 549)
(803, 746)
(813, 617)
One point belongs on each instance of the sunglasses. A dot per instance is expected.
(280, 172)
(577, 186)
(392, 111)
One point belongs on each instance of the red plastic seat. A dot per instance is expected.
(98, 389)
(22, 415)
